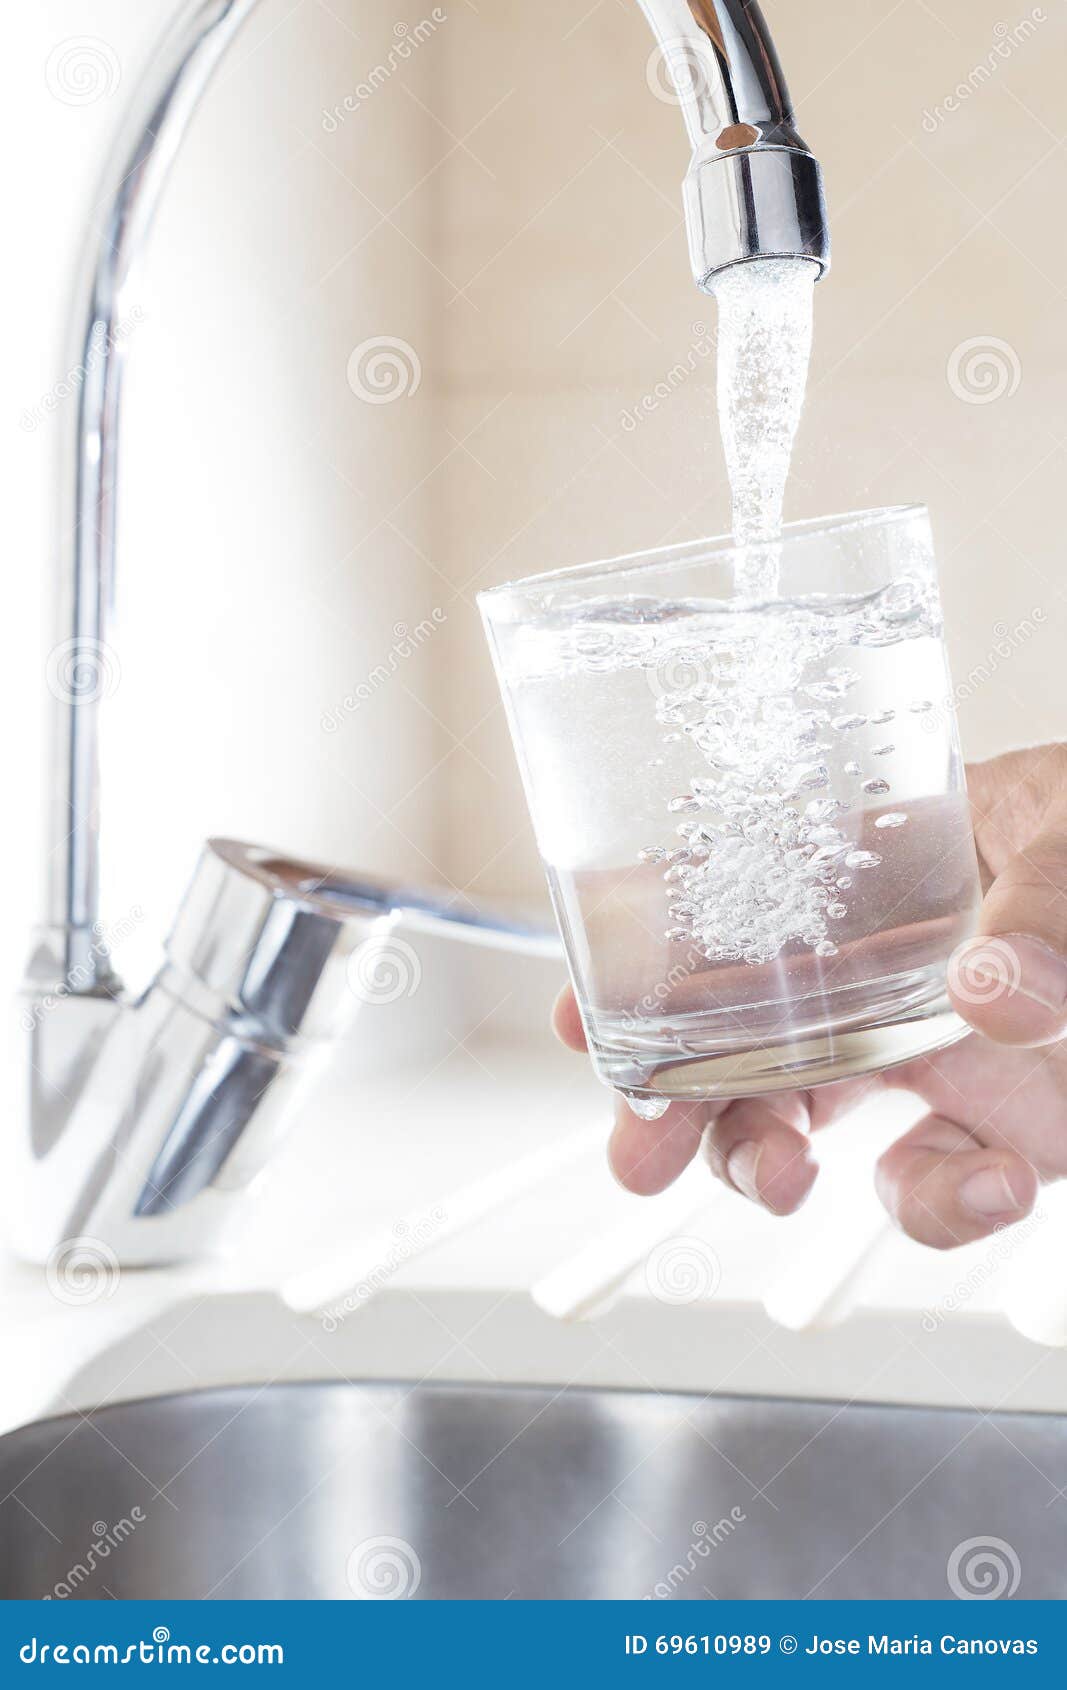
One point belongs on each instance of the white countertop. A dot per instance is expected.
(829, 1304)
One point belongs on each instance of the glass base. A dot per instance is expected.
(710, 1066)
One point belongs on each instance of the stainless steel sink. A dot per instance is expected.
(334, 1490)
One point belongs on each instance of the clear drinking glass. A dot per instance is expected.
(752, 815)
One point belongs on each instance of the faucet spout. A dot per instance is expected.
(753, 189)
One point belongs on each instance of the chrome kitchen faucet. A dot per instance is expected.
(144, 1117)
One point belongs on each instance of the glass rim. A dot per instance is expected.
(718, 547)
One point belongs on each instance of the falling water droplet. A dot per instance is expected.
(646, 1108)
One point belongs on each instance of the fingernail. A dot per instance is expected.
(989, 1193)
(1042, 975)
(741, 1165)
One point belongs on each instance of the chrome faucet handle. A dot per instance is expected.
(182, 1094)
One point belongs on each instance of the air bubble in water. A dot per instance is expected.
(894, 818)
(874, 786)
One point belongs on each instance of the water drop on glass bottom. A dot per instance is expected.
(646, 1108)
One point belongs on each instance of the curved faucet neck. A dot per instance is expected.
(82, 661)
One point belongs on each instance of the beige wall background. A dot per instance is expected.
(492, 189)
(573, 302)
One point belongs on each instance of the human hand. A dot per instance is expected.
(997, 1122)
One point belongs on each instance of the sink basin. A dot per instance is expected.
(451, 1491)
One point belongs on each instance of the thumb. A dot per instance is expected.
(1010, 981)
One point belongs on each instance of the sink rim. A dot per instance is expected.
(510, 1388)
